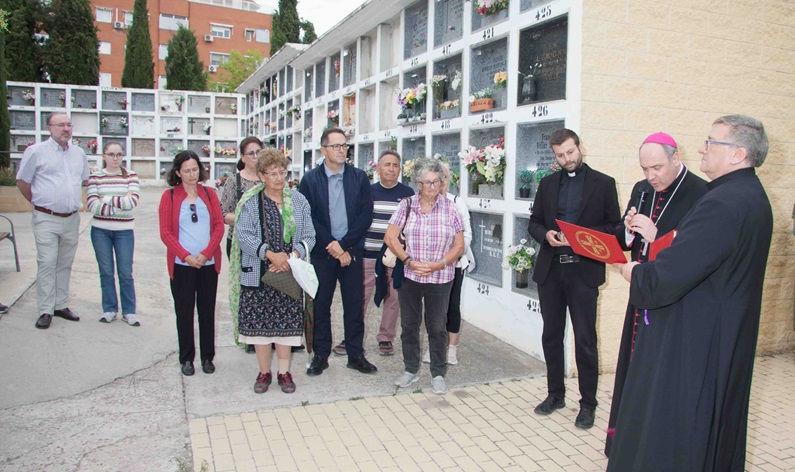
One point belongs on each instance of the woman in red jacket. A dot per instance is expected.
(191, 227)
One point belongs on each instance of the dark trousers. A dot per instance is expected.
(563, 288)
(350, 278)
(195, 288)
(436, 298)
(454, 308)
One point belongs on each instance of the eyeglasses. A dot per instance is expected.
(337, 147)
(709, 142)
(430, 183)
(252, 153)
(61, 125)
(117, 155)
(281, 174)
(194, 217)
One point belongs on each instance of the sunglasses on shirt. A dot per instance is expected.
(194, 217)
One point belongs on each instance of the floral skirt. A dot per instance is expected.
(268, 312)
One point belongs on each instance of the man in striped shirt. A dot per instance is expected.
(387, 193)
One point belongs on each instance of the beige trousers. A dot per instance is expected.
(56, 245)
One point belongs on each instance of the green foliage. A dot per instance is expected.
(308, 28)
(286, 25)
(139, 69)
(237, 69)
(71, 54)
(184, 70)
(526, 178)
(23, 55)
(7, 177)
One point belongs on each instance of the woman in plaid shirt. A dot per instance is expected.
(434, 236)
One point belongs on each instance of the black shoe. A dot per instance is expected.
(550, 404)
(67, 314)
(187, 368)
(317, 366)
(362, 365)
(207, 366)
(297, 348)
(585, 417)
(250, 349)
(44, 321)
(3, 309)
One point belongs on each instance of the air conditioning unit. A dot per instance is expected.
(212, 68)
(208, 38)
(119, 25)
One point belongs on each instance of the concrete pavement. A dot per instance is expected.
(94, 397)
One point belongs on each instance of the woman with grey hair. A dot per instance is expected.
(465, 262)
(434, 236)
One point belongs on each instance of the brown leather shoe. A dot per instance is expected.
(67, 314)
(44, 321)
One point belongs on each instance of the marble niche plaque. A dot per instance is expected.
(196, 126)
(196, 146)
(334, 73)
(84, 99)
(170, 125)
(198, 104)
(289, 72)
(114, 100)
(366, 155)
(447, 67)
(170, 147)
(415, 39)
(488, 60)
(25, 120)
(545, 44)
(51, 97)
(520, 232)
(448, 22)
(350, 65)
(143, 102)
(320, 79)
(17, 96)
(308, 164)
(487, 240)
(223, 105)
(144, 169)
(168, 103)
(533, 151)
(222, 168)
(114, 124)
(447, 147)
(143, 148)
(308, 83)
(20, 142)
(142, 125)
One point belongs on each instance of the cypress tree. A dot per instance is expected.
(308, 29)
(184, 70)
(286, 25)
(139, 69)
(71, 54)
(23, 56)
(5, 121)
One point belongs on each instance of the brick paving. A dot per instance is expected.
(489, 427)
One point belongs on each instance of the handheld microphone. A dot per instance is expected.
(641, 200)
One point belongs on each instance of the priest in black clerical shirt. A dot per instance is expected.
(655, 208)
(585, 197)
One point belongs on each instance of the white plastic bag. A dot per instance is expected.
(304, 274)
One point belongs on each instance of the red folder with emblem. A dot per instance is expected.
(661, 243)
(593, 244)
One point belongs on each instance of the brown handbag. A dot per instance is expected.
(281, 281)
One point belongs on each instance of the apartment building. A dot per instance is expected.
(219, 25)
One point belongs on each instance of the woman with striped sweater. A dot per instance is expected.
(112, 194)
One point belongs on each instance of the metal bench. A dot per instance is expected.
(11, 236)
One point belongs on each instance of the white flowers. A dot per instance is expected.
(519, 257)
(457, 79)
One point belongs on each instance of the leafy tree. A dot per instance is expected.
(286, 25)
(237, 69)
(139, 69)
(184, 70)
(23, 56)
(5, 122)
(309, 32)
(71, 54)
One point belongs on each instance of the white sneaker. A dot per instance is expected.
(107, 317)
(427, 357)
(131, 319)
(406, 379)
(439, 385)
(452, 355)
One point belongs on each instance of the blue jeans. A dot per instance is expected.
(106, 242)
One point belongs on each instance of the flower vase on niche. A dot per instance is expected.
(529, 89)
(477, 181)
(522, 278)
(481, 104)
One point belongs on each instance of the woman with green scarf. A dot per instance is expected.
(272, 222)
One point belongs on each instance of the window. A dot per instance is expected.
(162, 51)
(263, 36)
(128, 18)
(221, 31)
(104, 47)
(104, 79)
(105, 15)
(249, 35)
(216, 58)
(172, 22)
(161, 82)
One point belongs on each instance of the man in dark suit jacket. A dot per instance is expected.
(585, 197)
(341, 200)
(655, 208)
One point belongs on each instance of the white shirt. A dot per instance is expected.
(55, 175)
